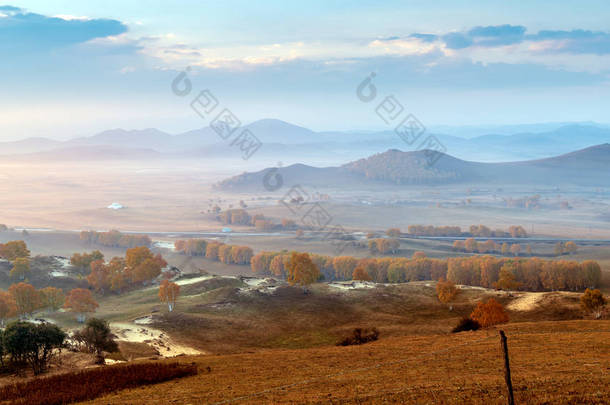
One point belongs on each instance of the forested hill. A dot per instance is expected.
(586, 167)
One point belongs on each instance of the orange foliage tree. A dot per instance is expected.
(80, 301)
(361, 274)
(26, 298)
(168, 293)
(301, 270)
(489, 313)
(13, 250)
(142, 264)
(8, 307)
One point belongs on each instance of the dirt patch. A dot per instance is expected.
(160, 342)
(526, 301)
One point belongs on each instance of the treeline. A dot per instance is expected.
(115, 239)
(213, 250)
(484, 271)
(240, 216)
(524, 274)
(479, 231)
(23, 299)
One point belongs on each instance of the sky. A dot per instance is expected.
(74, 68)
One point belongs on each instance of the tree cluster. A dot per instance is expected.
(31, 344)
(218, 251)
(139, 266)
(115, 239)
(523, 274)
(478, 231)
(486, 271)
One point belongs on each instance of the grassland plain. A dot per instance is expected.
(552, 363)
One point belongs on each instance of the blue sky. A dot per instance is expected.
(73, 68)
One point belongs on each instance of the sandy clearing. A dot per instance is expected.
(526, 301)
(158, 339)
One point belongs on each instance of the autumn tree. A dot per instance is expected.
(471, 245)
(570, 247)
(515, 249)
(52, 298)
(82, 262)
(13, 250)
(80, 301)
(143, 265)
(360, 274)
(26, 298)
(8, 307)
(489, 313)
(507, 279)
(168, 293)
(528, 250)
(344, 267)
(458, 245)
(299, 233)
(419, 255)
(301, 270)
(393, 232)
(505, 249)
(445, 291)
(592, 301)
(21, 268)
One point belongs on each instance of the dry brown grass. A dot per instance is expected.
(552, 362)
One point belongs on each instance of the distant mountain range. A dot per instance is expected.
(587, 167)
(290, 143)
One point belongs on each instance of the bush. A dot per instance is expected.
(360, 336)
(466, 324)
(489, 313)
(92, 383)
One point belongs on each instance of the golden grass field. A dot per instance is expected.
(552, 363)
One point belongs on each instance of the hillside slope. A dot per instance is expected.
(552, 362)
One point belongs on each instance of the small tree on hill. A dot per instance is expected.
(168, 293)
(301, 270)
(489, 313)
(446, 291)
(80, 301)
(97, 338)
(592, 301)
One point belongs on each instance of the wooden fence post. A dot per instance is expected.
(509, 384)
